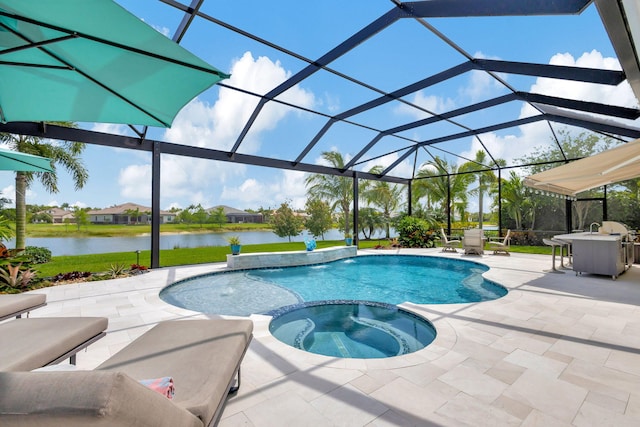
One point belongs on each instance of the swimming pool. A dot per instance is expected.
(391, 279)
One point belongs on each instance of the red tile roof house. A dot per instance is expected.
(128, 213)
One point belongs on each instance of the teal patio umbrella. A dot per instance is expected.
(16, 161)
(92, 61)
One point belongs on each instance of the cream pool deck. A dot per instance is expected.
(558, 350)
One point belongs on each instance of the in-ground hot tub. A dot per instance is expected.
(351, 329)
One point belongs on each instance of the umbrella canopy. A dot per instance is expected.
(16, 161)
(617, 164)
(92, 61)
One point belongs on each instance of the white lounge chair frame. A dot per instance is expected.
(503, 246)
(449, 245)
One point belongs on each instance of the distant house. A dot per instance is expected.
(128, 213)
(236, 215)
(58, 215)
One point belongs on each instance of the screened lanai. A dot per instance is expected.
(385, 83)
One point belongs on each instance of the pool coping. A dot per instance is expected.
(289, 259)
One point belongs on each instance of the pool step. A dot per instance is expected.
(340, 345)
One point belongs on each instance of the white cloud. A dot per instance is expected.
(246, 193)
(615, 95)
(217, 126)
(435, 104)
(111, 128)
(403, 170)
(534, 135)
(332, 103)
(482, 84)
(9, 192)
(285, 185)
(53, 203)
(292, 187)
(162, 30)
(135, 181)
(79, 204)
(346, 157)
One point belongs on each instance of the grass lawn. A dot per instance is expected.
(97, 263)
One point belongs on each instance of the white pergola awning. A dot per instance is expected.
(617, 164)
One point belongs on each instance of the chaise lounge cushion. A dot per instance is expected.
(12, 305)
(85, 398)
(36, 342)
(202, 356)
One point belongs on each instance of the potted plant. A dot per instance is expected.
(234, 242)
(348, 239)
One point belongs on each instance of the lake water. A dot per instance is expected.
(97, 245)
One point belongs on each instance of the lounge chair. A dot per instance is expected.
(15, 305)
(473, 242)
(36, 342)
(202, 357)
(503, 246)
(448, 245)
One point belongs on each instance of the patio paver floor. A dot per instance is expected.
(559, 349)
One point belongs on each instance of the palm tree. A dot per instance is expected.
(64, 153)
(369, 220)
(336, 190)
(439, 178)
(487, 180)
(514, 200)
(384, 196)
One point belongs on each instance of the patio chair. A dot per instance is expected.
(503, 246)
(449, 245)
(15, 305)
(202, 356)
(473, 242)
(42, 341)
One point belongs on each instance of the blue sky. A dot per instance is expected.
(400, 55)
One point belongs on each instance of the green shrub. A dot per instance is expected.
(415, 233)
(37, 254)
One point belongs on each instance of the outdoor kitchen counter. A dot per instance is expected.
(589, 236)
(598, 253)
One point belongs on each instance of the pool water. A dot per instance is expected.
(391, 279)
(356, 329)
